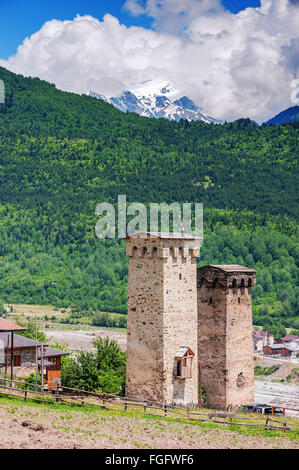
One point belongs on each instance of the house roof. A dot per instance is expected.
(184, 351)
(19, 342)
(260, 334)
(7, 325)
(293, 346)
(46, 363)
(278, 346)
(290, 338)
(50, 352)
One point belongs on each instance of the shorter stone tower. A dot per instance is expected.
(162, 361)
(225, 346)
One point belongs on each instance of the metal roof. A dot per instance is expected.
(19, 341)
(50, 352)
(7, 325)
(290, 338)
(45, 363)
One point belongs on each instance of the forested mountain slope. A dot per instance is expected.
(61, 154)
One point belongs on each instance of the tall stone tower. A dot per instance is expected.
(225, 345)
(162, 361)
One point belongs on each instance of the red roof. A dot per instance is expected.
(7, 325)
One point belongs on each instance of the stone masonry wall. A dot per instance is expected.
(225, 342)
(144, 377)
(180, 324)
(162, 317)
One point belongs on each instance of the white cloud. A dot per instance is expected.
(231, 65)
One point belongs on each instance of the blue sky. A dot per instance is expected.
(19, 18)
(230, 65)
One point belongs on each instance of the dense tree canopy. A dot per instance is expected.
(61, 154)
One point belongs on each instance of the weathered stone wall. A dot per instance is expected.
(225, 344)
(27, 363)
(211, 305)
(144, 377)
(239, 348)
(180, 323)
(162, 317)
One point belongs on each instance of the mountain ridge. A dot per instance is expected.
(284, 117)
(158, 105)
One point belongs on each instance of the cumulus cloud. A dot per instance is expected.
(232, 65)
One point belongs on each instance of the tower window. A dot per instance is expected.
(180, 276)
(135, 250)
(210, 301)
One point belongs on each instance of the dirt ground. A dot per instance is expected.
(25, 427)
(83, 339)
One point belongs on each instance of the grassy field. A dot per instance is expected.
(48, 315)
(34, 425)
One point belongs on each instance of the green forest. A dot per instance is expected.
(62, 154)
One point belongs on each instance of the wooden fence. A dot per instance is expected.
(83, 398)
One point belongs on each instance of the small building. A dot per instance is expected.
(24, 353)
(288, 339)
(285, 350)
(276, 350)
(261, 339)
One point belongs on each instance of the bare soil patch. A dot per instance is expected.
(83, 339)
(25, 427)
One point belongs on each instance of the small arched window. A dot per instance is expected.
(134, 251)
(155, 252)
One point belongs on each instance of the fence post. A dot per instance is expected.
(284, 418)
(188, 413)
(165, 409)
(266, 425)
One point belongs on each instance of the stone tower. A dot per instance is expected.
(162, 361)
(225, 345)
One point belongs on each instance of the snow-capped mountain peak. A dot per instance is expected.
(145, 102)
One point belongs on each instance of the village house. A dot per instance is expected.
(281, 349)
(288, 339)
(25, 351)
(261, 339)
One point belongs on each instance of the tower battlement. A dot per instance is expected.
(162, 245)
(226, 276)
